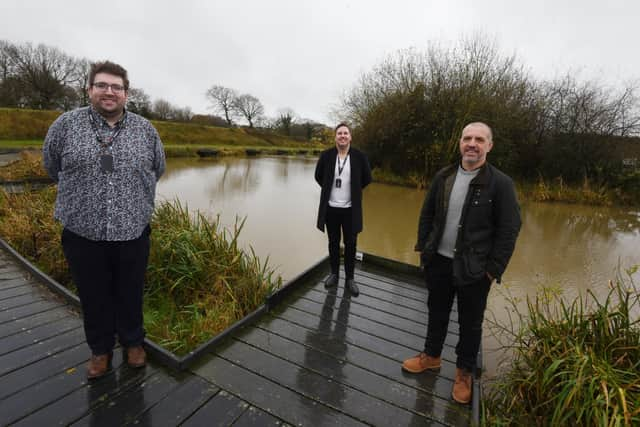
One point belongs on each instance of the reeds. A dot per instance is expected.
(28, 166)
(27, 224)
(199, 281)
(558, 191)
(575, 363)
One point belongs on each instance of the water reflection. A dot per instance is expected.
(572, 246)
(329, 336)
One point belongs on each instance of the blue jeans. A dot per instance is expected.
(472, 302)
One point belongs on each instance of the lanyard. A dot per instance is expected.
(109, 142)
(340, 168)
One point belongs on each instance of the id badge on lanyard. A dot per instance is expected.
(106, 163)
(106, 158)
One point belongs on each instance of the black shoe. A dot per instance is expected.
(331, 282)
(351, 286)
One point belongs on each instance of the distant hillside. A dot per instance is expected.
(20, 124)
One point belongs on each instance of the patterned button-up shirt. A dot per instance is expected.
(96, 204)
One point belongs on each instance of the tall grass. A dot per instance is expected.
(28, 166)
(27, 224)
(199, 280)
(558, 191)
(575, 363)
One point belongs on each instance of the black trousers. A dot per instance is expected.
(110, 281)
(340, 219)
(472, 301)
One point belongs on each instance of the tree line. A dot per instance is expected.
(408, 112)
(45, 78)
(42, 77)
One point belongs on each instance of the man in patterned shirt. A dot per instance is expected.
(106, 162)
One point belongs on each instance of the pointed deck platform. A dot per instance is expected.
(317, 358)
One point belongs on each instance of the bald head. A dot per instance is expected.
(482, 125)
(475, 143)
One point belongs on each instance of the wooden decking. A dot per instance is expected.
(319, 358)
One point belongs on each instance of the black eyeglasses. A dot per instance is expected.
(103, 87)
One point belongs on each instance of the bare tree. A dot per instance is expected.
(162, 109)
(250, 107)
(139, 102)
(46, 77)
(286, 117)
(222, 101)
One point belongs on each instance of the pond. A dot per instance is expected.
(572, 247)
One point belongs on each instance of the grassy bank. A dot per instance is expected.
(575, 363)
(21, 128)
(27, 166)
(199, 281)
(544, 190)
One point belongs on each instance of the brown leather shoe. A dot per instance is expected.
(98, 366)
(421, 363)
(136, 357)
(461, 392)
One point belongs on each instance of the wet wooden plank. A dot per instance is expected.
(180, 404)
(254, 417)
(392, 287)
(31, 399)
(323, 340)
(438, 383)
(11, 270)
(395, 307)
(363, 339)
(21, 300)
(132, 403)
(38, 334)
(221, 410)
(37, 372)
(16, 291)
(389, 275)
(360, 323)
(35, 320)
(28, 310)
(385, 315)
(362, 375)
(368, 326)
(376, 293)
(269, 396)
(85, 397)
(328, 391)
(7, 283)
(391, 306)
(41, 350)
(12, 277)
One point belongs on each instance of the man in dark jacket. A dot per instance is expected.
(342, 172)
(468, 227)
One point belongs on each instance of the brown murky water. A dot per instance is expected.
(571, 247)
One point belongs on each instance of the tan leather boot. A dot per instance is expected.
(461, 392)
(98, 365)
(136, 357)
(421, 363)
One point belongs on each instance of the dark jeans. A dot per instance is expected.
(472, 301)
(340, 218)
(110, 281)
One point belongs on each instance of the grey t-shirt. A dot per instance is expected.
(454, 212)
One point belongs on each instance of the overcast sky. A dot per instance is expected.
(304, 54)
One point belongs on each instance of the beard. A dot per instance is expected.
(108, 112)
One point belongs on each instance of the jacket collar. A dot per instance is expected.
(481, 179)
